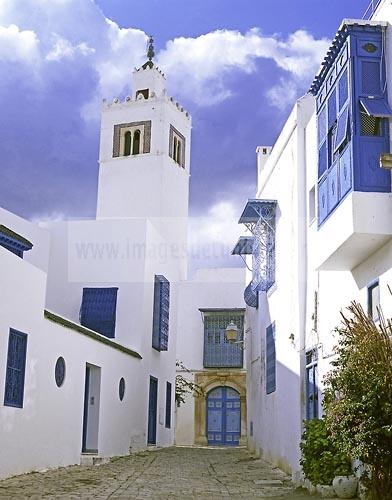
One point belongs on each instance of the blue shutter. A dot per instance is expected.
(270, 360)
(168, 405)
(332, 186)
(322, 125)
(345, 172)
(160, 328)
(371, 84)
(322, 159)
(218, 353)
(332, 109)
(16, 365)
(98, 311)
(322, 200)
(342, 130)
(343, 89)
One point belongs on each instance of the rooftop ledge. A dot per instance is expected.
(66, 323)
(358, 227)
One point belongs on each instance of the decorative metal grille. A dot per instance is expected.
(218, 352)
(264, 251)
(59, 371)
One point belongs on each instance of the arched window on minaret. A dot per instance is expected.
(175, 143)
(127, 143)
(136, 143)
(178, 156)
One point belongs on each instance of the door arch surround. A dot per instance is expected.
(211, 380)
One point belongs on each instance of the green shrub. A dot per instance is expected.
(358, 398)
(321, 460)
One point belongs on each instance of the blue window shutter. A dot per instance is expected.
(322, 159)
(270, 361)
(218, 353)
(371, 84)
(168, 405)
(343, 89)
(332, 109)
(160, 328)
(16, 365)
(98, 311)
(322, 125)
(342, 130)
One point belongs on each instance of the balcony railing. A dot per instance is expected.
(371, 9)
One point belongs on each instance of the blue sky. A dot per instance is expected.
(236, 66)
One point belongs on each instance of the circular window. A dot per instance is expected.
(59, 372)
(121, 388)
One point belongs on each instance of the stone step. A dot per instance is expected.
(90, 459)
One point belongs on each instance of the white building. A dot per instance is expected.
(322, 229)
(91, 308)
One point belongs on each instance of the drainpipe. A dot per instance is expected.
(303, 115)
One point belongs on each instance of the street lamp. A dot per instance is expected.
(231, 332)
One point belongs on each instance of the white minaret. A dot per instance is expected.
(144, 162)
(144, 151)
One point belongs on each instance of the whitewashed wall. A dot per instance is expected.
(210, 288)
(47, 431)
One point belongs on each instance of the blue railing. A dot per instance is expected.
(371, 9)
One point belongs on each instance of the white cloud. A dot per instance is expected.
(18, 45)
(213, 236)
(63, 49)
(283, 94)
(44, 220)
(126, 49)
(198, 66)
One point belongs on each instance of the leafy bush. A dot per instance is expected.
(185, 386)
(358, 398)
(321, 460)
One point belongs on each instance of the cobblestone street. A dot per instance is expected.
(166, 473)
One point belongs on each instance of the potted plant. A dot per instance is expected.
(321, 460)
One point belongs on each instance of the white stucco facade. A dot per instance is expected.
(319, 270)
(140, 232)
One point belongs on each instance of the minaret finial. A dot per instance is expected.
(150, 52)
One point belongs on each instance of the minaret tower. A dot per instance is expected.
(145, 152)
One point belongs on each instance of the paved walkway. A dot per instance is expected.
(170, 473)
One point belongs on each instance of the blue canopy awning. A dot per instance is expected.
(376, 107)
(254, 209)
(244, 246)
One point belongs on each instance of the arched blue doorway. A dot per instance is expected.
(223, 417)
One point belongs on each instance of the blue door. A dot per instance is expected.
(223, 417)
(152, 411)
